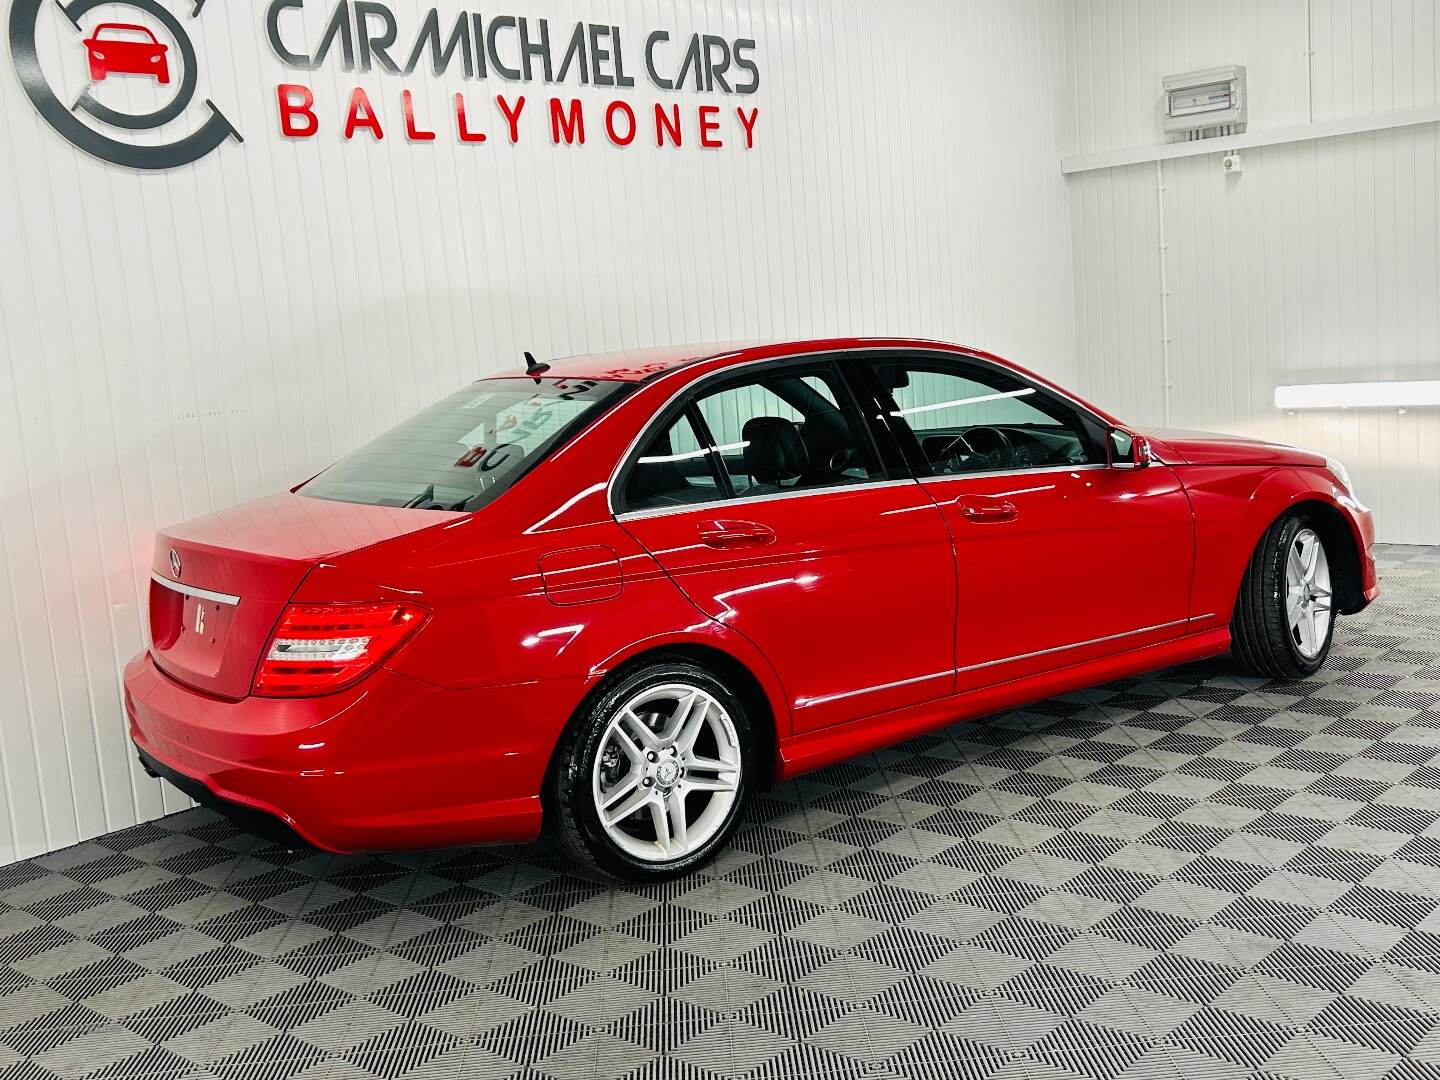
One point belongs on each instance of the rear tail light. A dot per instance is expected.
(320, 648)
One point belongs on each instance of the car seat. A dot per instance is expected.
(774, 453)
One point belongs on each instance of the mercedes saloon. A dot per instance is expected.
(612, 595)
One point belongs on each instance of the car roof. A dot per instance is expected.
(636, 365)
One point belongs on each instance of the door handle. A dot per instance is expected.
(732, 534)
(986, 511)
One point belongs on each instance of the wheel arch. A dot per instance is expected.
(1250, 512)
(1343, 548)
(736, 675)
(758, 698)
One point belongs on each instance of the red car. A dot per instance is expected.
(617, 594)
(126, 49)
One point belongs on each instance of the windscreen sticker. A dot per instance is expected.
(533, 420)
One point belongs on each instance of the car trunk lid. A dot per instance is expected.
(219, 582)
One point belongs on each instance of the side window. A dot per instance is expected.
(974, 418)
(675, 469)
(788, 430)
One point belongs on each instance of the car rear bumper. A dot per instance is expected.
(391, 763)
(265, 823)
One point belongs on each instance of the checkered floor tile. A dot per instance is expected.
(1191, 874)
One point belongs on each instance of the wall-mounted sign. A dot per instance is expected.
(507, 79)
(363, 36)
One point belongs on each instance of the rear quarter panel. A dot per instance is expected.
(515, 597)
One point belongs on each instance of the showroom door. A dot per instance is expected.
(1059, 558)
(768, 502)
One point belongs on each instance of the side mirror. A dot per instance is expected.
(1129, 451)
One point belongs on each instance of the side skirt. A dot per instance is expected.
(816, 749)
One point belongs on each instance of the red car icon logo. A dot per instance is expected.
(126, 49)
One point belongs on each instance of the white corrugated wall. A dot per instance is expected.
(1319, 263)
(173, 343)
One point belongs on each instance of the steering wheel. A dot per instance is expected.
(990, 444)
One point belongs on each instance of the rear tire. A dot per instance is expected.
(1284, 623)
(653, 773)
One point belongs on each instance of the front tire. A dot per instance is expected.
(1284, 616)
(654, 772)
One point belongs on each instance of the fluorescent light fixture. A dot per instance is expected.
(1358, 395)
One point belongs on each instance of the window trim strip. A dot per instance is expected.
(835, 489)
(745, 500)
(1043, 470)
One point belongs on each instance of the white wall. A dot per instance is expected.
(1319, 263)
(176, 342)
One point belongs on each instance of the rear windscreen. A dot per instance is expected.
(465, 450)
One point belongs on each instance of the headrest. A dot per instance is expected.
(774, 451)
(893, 376)
(827, 439)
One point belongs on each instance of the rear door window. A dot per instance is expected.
(789, 429)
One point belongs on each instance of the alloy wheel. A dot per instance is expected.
(1308, 595)
(667, 772)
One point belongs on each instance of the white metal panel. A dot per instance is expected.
(1320, 263)
(1121, 49)
(1115, 223)
(175, 343)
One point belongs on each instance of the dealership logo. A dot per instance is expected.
(119, 49)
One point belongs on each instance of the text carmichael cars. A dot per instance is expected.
(614, 594)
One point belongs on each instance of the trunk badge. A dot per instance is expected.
(174, 563)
